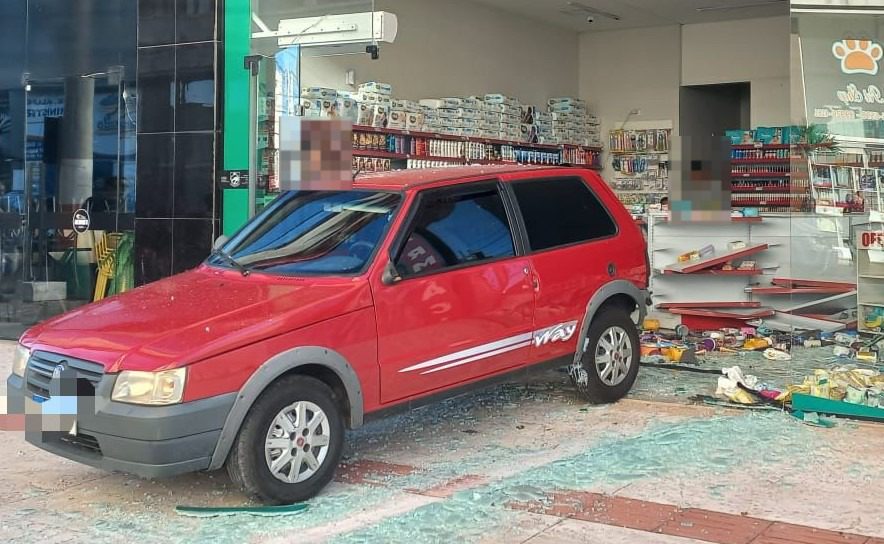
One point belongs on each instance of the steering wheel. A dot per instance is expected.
(361, 250)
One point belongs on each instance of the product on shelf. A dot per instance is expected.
(640, 141)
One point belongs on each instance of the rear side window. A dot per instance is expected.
(559, 212)
(454, 228)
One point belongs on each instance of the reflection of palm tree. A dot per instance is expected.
(5, 123)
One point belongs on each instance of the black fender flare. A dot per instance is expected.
(610, 289)
(272, 369)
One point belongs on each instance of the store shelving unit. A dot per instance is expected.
(763, 176)
(393, 149)
(640, 158)
(870, 276)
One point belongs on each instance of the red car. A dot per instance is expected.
(332, 307)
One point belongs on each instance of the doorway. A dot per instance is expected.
(706, 113)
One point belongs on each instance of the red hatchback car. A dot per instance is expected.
(333, 306)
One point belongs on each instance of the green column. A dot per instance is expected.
(237, 28)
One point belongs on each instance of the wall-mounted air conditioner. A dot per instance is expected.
(350, 28)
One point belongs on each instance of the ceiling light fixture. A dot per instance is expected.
(577, 8)
(741, 6)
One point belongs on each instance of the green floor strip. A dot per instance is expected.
(265, 511)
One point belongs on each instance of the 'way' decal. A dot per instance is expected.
(557, 333)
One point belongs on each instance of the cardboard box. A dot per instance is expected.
(376, 87)
(375, 98)
(398, 119)
(564, 107)
(447, 113)
(414, 121)
(319, 93)
(566, 100)
(452, 102)
(380, 116)
(404, 105)
(433, 103)
(501, 99)
(347, 109)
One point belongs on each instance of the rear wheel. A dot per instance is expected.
(290, 442)
(609, 364)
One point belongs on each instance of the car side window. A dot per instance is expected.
(454, 227)
(560, 212)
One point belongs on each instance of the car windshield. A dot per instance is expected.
(312, 232)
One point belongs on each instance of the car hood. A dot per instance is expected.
(193, 316)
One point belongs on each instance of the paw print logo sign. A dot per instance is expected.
(858, 56)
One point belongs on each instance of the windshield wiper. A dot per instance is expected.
(243, 269)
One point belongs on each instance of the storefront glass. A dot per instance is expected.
(282, 33)
(67, 154)
(842, 149)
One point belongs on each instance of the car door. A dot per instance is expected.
(571, 244)
(462, 306)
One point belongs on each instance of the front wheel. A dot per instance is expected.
(290, 442)
(610, 360)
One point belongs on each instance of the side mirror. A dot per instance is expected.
(390, 275)
(220, 241)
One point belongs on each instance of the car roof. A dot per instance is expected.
(408, 179)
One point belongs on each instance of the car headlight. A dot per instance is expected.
(152, 388)
(20, 360)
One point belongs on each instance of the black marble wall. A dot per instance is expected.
(177, 203)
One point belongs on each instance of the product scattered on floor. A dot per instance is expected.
(851, 378)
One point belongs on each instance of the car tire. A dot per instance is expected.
(609, 363)
(284, 416)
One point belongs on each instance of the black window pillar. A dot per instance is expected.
(177, 206)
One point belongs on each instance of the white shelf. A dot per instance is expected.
(880, 304)
(872, 276)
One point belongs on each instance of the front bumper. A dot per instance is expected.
(148, 441)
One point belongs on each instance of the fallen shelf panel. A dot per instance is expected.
(755, 313)
(829, 305)
(786, 322)
(694, 266)
(715, 272)
(777, 290)
(705, 305)
(797, 283)
(848, 323)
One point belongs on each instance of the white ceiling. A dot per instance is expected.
(639, 13)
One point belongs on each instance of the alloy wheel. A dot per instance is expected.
(297, 442)
(613, 356)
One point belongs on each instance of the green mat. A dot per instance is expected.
(265, 511)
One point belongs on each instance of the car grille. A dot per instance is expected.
(83, 442)
(42, 364)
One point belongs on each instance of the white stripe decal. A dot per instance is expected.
(478, 350)
(561, 332)
(479, 357)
